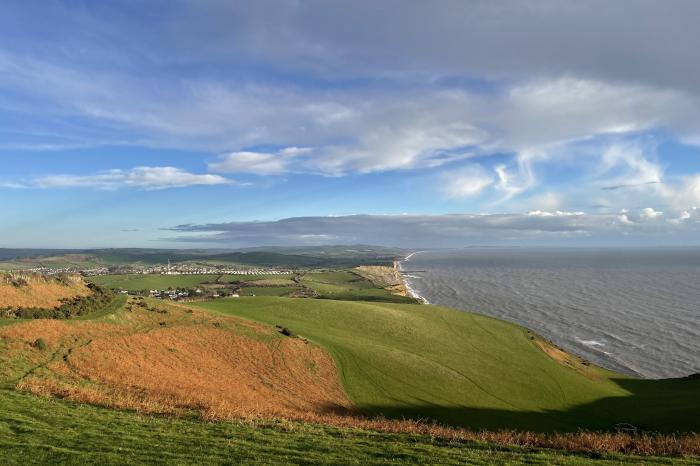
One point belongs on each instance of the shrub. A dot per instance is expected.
(70, 307)
(287, 333)
(39, 344)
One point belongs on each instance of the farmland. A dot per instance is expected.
(138, 282)
(335, 284)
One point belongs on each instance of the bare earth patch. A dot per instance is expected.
(388, 278)
(576, 363)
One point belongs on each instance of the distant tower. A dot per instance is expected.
(169, 272)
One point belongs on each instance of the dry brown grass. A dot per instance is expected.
(35, 290)
(168, 359)
(388, 278)
(644, 444)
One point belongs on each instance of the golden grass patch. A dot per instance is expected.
(35, 290)
(167, 359)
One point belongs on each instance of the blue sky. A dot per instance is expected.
(197, 123)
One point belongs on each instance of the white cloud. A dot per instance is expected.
(557, 213)
(648, 213)
(402, 96)
(691, 215)
(357, 130)
(287, 159)
(549, 201)
(687, 194)
(457, 230)
(149, 178)
(12, 185)
(257, 163)
(467, 182)
(630, 158)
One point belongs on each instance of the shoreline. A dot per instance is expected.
(398, 265)
(404, 278)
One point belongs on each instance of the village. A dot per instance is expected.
(169, 269)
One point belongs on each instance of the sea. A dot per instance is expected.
(635, 311)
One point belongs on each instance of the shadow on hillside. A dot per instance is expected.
(671, 405)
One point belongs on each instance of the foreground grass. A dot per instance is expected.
(37, 430)
(468, 370)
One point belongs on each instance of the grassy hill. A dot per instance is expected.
(131, 338)
(35, 290)
(469, 370)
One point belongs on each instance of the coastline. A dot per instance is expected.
(565, 357)
(398, 265)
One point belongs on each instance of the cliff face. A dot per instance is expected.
(388, 278)
(28, 290)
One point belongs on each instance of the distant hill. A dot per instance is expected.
(29, 290)
(306, 257)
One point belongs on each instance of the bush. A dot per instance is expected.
(71, 307)
(287, 333)
(39, 344)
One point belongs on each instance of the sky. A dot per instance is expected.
(205, 123)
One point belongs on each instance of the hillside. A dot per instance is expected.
(157, 358)
(161, 358)
(35, 290)
(469, 370)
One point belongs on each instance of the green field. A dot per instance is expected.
(342, 284)
(468, 370)
(348, 286)
(266, 291)
(138, 282)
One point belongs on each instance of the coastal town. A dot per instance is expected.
(169, 269)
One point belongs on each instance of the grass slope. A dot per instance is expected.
(35, 290)
(468, 370)
(37, 430)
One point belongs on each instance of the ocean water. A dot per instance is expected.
(636, 311)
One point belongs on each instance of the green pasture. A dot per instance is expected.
(468, 370)
(138, 282)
